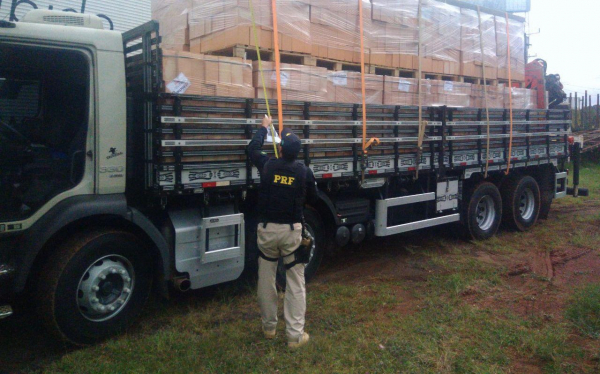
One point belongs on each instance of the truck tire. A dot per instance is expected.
(482, 211)
(94, 286)
(314, 225)
(521, 203)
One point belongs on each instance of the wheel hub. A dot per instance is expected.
(486, 213)
(527, 204)
(105, 288)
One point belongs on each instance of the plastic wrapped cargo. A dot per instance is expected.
(298, 82)
(495, 96)
(346, 87)
(402, 91)
(173, 18)
(522, 98)
(517, 48)
(452, 94)
(440, 31)
(470, 39)
(394, 33)
(220, 24)
(335, 31)
(194, 74)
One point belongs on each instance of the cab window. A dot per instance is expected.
(44, 105)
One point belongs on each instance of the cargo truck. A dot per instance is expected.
(110, 187)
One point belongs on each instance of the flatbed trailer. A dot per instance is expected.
(196, 145)
(170, 197)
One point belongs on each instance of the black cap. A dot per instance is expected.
(290, 144)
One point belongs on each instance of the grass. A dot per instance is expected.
(584, 310)
(447, 307)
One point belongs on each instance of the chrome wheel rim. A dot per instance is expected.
(527, 204)
(105, 288)
(486, 213)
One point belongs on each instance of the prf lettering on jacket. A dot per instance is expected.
(278, 179)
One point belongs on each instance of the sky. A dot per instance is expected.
(568, 41)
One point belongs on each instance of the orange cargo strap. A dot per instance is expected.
(277, 64)
(362, 78)
(422, 124)
(485, 95)
(509, 156)
(262, 75)
(373, 141)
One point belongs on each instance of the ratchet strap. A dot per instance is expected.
(277, 64)
(366, 144)
(485, 95)
(509, 156)
(262, 76)
(362, 77)
(422, 124)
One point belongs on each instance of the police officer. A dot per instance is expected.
(285, 185)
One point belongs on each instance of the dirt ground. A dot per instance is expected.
(540, 278)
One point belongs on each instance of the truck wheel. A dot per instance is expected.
(314, 225)
(521, 199)
(482, 212)
(95, 286)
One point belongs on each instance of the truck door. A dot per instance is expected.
(44, 126)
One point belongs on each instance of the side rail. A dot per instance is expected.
(202, 140)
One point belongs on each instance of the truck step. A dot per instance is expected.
(5, 311)
(412, 226)
(381, 215)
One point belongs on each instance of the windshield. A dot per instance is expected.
(43, 126)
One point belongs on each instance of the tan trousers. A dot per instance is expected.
(277, 240)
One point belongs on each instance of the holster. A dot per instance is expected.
(302, 254)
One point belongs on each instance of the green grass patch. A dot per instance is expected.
(584, 310)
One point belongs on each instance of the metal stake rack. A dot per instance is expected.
(331, 146)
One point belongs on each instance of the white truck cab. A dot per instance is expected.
(63, 172)
(63, 113)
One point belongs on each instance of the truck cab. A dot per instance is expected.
(63, 151)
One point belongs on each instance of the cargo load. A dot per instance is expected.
(321, 40)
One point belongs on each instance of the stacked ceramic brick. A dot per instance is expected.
(195, 74)
(173, 17)
(298, 82)
(404, 91)
(517, 49)
(335, 32)
(394, 33)
(216, 25)
(472, 56)
(207, 75)
(440, 38)
(328, 29)
(499, 97)
(522, 98)
(346, 87)
(495, 96)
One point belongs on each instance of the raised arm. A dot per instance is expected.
(257, 156)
